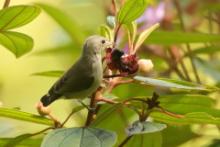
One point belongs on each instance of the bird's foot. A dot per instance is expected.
(45, 111)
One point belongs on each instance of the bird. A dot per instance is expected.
(84, 76)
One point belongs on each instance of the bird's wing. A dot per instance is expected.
(76, 79)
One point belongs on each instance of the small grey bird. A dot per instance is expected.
(84, 77)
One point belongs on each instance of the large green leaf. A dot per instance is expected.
(189, 104)
(19, 115)
(145, 127)
(189, 118)
(171, 83)
(16, 16)
(145, 140)
(166, 38)
(65, 22)
(131, 10)
(17, 43)
(54, 73)
(80, 137)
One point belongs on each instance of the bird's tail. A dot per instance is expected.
(48, 99)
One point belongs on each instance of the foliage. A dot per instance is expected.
(144, 106)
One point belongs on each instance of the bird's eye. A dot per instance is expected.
(103, 41)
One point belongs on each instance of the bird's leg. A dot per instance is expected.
(45, 111)
(86, 106)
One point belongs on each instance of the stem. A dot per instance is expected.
(182, 65)
(114, 7)
(177, 4)
(116, 33)
(125, 141)
(6, 4)
(92, 106)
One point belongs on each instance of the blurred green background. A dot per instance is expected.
(19, 89)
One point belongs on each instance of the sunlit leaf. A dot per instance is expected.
(17, 43)
(16, 16)
(189, 118)
(65, 22)
(15, 141)
(54, 73)
(80, 137)
(131, 10)
(132, 31)
(143, 36)
(145, 127)
(177, 37)
(106, 32)
(19, 115)
(171, 83)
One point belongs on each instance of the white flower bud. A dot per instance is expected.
(145, 66)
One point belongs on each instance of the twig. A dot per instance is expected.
(6, 4)
(177, 4)
(116, 33)
(170, 113)
(125, 141)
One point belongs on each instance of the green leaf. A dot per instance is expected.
(145, 127)
(171, 83)
(53, 73)
(25, 143)
(131, 10)
(19, 115)
(17, 43)
(205, 50)
(182, 135)
(16, 16)
(105, 114)
(14, 141)
(146, 140)
(132, 31)
(189, 104)
(80, 137)
(71, 28)
(106, 32)
(177, 37)
(189, 118)
(208, 67)
(143, 36)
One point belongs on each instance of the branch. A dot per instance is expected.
(6, 4)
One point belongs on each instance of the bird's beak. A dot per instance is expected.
(108, 44)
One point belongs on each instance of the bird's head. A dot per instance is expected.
(95, 44)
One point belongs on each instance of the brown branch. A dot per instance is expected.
(6, 4)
